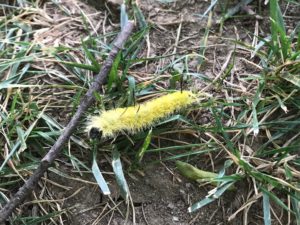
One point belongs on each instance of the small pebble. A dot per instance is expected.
(171, 205)
(175, 219)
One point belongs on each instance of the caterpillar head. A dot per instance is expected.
(94, 133)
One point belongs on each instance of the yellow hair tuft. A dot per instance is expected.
(135, 118)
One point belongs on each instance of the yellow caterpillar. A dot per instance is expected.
(133, 119)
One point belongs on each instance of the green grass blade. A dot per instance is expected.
(113, 78)
(121, 181)
(200, 204)
(3, 198)
(124, 16)
(139, 16)
(210, 198)
(81, 66)
(37, 220)
(296, 208)
(144, 147)
(210, 8)
(180, 147)
(131, 89)
(91, 57)
(18, 142)
(256, 100)
(266, 209)
(280, 43)
(275, 198)
(99, 178)
(186, 154)
(21, 136)
(292, 78)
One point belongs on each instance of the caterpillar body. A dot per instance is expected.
(135, 118)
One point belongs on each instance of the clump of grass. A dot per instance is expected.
(263, 137)
(258, 132)
(38, 82)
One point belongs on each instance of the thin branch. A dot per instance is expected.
(87, 100)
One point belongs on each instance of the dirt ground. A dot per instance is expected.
(158, 197)
(161, 195)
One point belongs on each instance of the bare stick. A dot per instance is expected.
(87, 100)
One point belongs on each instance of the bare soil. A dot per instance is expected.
(159, 197)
